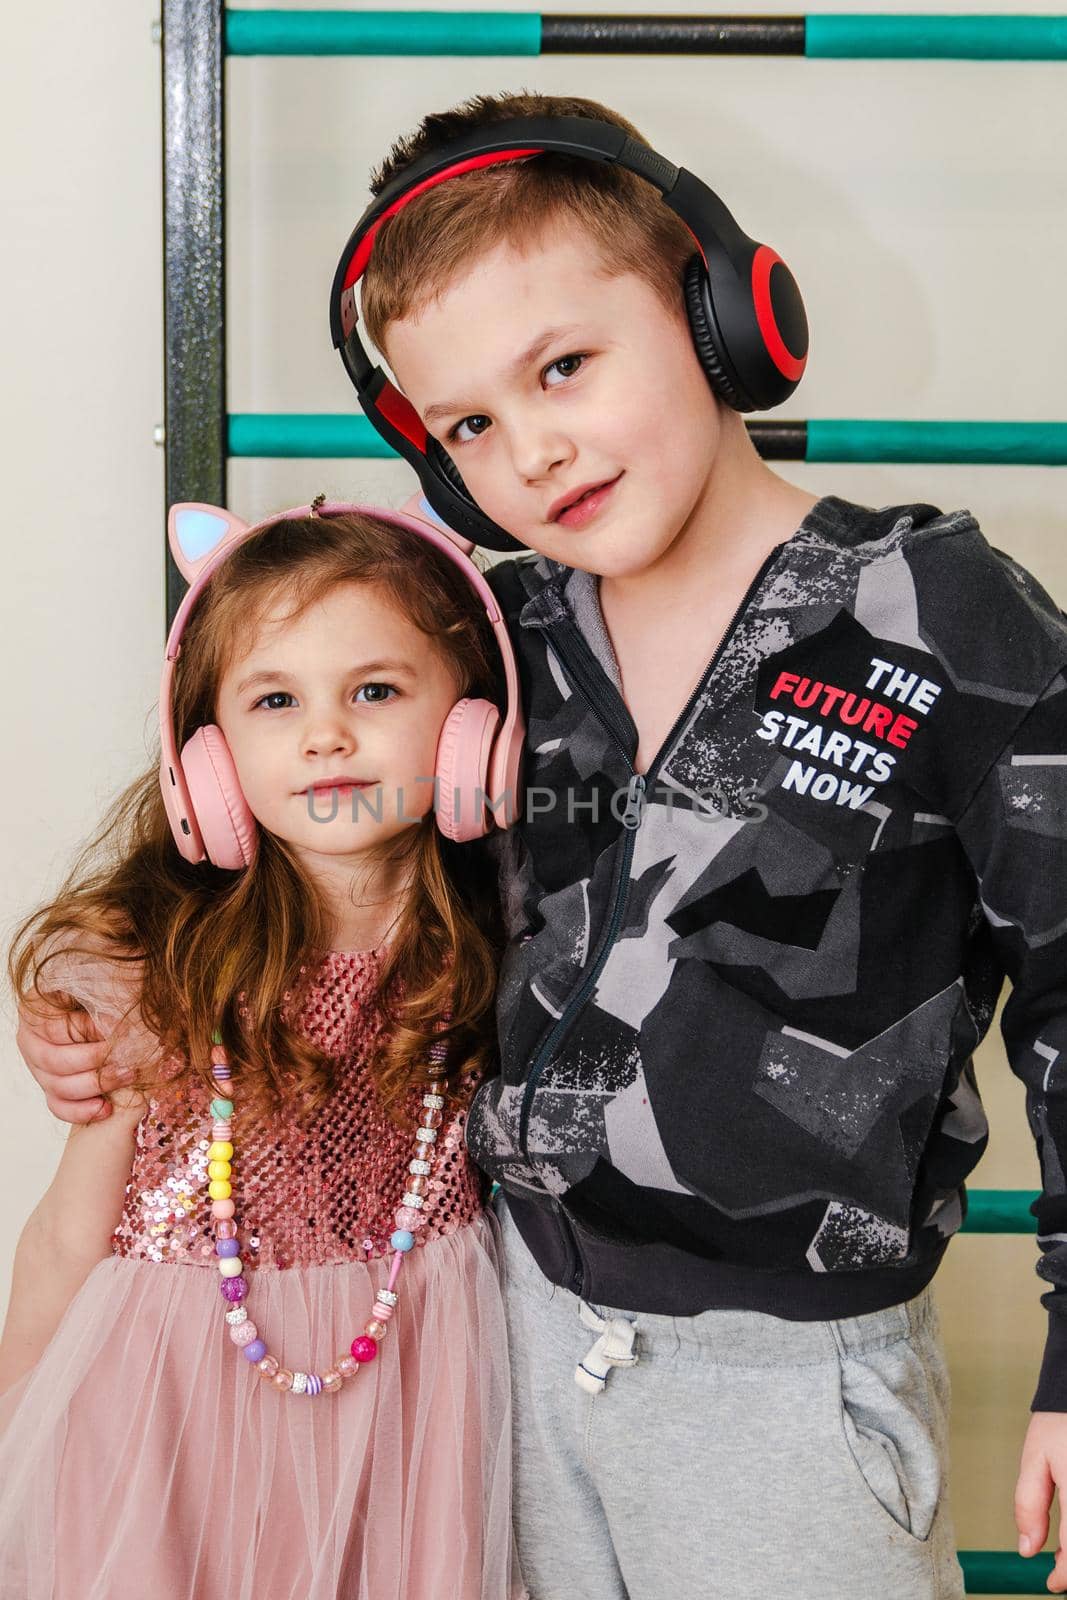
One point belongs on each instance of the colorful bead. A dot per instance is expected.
(234, 1286)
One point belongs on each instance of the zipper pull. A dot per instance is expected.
(635, 792)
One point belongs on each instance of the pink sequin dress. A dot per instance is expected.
(143, 1454)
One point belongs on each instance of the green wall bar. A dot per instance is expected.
(1004, 1572)
(993, 38)
(383, 33)
(313, 435)
(338, 436)
(1032, 444)
(999, 1211)
(497, 33)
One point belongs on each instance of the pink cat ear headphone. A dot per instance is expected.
(478, 756)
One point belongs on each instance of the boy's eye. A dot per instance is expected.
(568, 366)
(454, 435)
(376, 693)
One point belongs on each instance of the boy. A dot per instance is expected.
(795, 807)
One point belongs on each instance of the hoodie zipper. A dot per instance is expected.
(638, 786)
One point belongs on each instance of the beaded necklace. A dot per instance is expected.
(234, 1285)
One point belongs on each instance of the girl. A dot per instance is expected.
(255, 1344)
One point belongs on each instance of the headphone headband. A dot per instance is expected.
(744, 307)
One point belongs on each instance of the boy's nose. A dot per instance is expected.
(535, 457)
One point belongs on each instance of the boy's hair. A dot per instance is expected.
(208, 948)
(419, 252)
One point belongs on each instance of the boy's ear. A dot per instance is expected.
(195, 531)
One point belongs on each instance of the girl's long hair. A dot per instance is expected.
(213, 949)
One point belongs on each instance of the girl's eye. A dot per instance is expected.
(376, 693)
(568, 366)
(454, 435)
(269, 700)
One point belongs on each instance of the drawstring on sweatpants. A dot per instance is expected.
(614, 1348)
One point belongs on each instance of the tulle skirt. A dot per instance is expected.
(143, 1454)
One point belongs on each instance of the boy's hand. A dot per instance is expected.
(1042, 1469)
(65, 1053)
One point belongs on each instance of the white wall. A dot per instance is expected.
(921, 205)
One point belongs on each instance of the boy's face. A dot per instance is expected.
(615, 396)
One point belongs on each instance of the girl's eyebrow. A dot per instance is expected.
(514, 369)
(270, 675)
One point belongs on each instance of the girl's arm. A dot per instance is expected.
(67, 1234)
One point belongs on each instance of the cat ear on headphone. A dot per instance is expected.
(195, 532)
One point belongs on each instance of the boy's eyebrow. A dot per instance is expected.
(269, 675)
(513, 369)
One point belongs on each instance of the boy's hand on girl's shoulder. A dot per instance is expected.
(1043, 1469)
(65, 1053)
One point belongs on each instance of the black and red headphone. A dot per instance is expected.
(745, 311)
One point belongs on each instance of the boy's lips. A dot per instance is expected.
(578, 505)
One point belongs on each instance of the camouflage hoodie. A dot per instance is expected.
(742, 990)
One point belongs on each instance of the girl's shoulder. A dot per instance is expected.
(102, 976)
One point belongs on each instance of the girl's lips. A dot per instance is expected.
(583, 511)
(340, 783)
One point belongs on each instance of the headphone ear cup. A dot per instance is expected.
(228, 828)
(697, 305)
(464, 749)
(446, 466)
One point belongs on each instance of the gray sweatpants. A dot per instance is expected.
(741, 1455)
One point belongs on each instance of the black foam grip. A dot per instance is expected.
(707, 349)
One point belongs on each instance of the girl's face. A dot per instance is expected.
(332, 717)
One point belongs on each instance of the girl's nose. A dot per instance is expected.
(328, 738)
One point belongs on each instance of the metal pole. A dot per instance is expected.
(194, 305)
